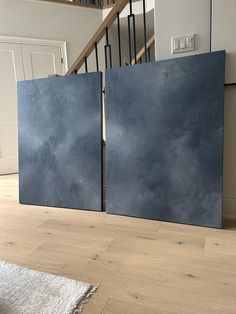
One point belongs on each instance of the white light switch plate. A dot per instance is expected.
(182, 43)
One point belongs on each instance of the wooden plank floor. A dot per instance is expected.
(143, 266)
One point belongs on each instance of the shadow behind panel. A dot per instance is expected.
(165, 140)
(60, 153)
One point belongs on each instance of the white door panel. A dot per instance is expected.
(11, 71)
(41, 61)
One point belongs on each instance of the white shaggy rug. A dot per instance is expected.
(25, 291)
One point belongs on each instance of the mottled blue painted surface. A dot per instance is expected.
(165, 140)
(60, 141)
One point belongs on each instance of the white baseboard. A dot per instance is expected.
(229, 205)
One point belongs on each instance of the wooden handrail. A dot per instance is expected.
(99, 34)
(86, 5)
(141, 53)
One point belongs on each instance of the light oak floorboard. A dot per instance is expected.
(143, 266)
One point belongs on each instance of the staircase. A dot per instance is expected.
(124, 38)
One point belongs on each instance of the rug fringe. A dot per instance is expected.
(88, 295)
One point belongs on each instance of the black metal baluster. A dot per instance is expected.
(106, 63)
(86, 64)
(130, 51)
(211, 21)
(108, 46)
(134, 34)
(132, 16)
(129, 32)
(149, 54)
(119, 40)
(130, 7)
(96, 54)
(145, 29)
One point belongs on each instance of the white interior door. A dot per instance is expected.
(20, 61)
(11, 71)
(41, 61)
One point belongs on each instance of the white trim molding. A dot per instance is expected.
(40, 42)
(229, 205)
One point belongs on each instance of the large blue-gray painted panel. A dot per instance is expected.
(165, 140)
(60, 125)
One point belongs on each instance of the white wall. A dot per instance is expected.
(180, 17)
(35, 19)
(224, 34)
(223, 37)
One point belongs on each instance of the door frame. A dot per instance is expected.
(40, 42)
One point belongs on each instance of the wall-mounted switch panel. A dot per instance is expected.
(182, 43)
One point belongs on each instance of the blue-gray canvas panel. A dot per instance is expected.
(60, 127)
(165, 139)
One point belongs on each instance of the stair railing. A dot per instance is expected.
(103, 31)
(141, 53)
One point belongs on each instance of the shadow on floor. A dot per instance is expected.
(229, 224)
